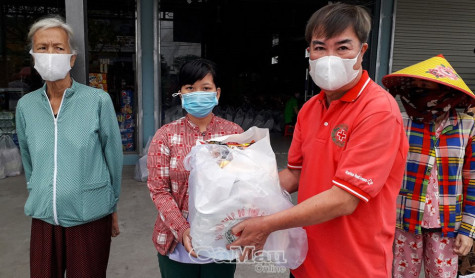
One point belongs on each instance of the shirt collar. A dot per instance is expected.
(451, 121)
(354, 92)
(194, 126)
(74, 87)
(69, 91)
(448, 123)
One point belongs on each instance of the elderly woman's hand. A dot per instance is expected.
(115, 224)
(463, 245)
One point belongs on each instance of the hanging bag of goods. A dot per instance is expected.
(10, 158)
(233, 178)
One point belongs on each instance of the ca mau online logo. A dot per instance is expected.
(265, 260)
(261, 256)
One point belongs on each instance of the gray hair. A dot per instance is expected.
(54, 21)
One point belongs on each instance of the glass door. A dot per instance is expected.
(112, 60)
(17, 75)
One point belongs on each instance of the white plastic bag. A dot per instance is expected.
(10, 158)
(228, 185)
(141, 170)
(2, 168)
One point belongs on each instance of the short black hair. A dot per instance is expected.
(195, 70)
(333, 19)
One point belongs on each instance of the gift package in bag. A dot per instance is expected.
(141, 170)
(233, 178)
(10, 158)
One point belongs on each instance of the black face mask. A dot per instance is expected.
(423, 93)
(425, 105)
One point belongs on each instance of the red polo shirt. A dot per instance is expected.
(358, 144)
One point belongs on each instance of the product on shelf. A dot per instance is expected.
(98, 80)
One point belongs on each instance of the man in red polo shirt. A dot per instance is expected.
(346, 160)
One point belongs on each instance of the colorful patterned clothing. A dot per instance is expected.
(431, 218)
(453, 152)
(431, 249)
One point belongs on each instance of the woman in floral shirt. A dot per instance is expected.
(436, 204)
(168, 179)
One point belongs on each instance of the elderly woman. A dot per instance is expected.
(72, 155)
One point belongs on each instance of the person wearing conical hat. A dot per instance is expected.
(436, 205)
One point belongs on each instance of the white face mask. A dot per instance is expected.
(332, 72)
(52, 67)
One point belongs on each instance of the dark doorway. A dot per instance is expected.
(259, 46)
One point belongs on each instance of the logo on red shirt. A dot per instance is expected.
(340, 134)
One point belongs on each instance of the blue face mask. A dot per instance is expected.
(199, 104)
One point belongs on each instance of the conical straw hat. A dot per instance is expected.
(436, 69)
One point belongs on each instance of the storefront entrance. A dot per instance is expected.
(110, 55)
(259, 47)
(133, 49)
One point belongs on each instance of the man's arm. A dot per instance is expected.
(289, 179)
(322, 207)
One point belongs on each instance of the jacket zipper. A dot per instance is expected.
(55, 169)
